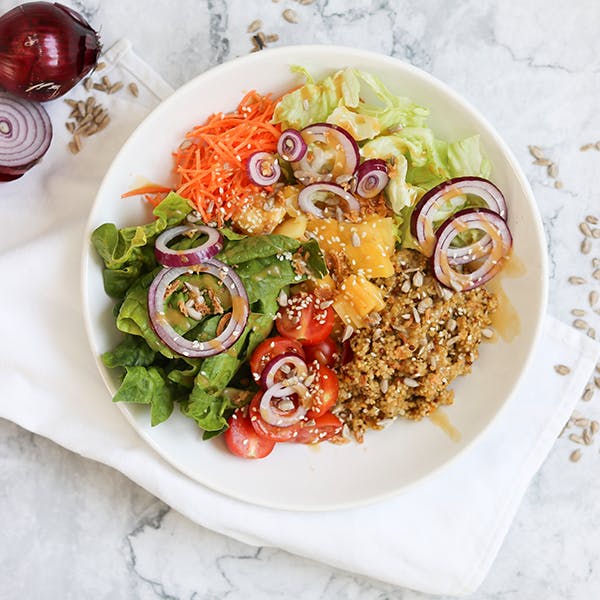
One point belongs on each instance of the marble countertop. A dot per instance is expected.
(72, 528)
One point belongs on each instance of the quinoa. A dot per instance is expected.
(404, 361)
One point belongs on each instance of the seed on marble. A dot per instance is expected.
(101, 65)
(576, 438)
(562, 369)
(585, 229)
(542, 162)
(582, 422)
(594, 427)
(552, 170)
(133, 89)
(558, 184)
(591, 332)
(592, 219)
(596, 274)
(587, 438)
(576, 280)
(577, 312)
(588, 394)
(586, 246)
(290, 16)
(536, 152)
(596, 263)
(597, 382)
(593, 298)
(575, 455)
(580, 324)
(271, 38)
(596, 233)
(255, 26)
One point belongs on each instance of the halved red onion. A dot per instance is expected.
(271, 409)
(194, 348)
(193, 256)
(423, 216)
(306, 197)
(336, 140)
(372, 177)
(471, 218)
(466, 254)
(291, 145)
(288, 361)
(263, 168)
(25, 135)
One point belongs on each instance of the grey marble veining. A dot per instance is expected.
(71, 528)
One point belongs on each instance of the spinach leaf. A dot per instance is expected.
(260, 246)
(143, 385)
(133, 351)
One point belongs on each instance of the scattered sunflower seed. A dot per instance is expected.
(411, 383)
(536, 152)
(597, 382)
(586, 147)
(271, 38)
(586, 246)
(562, 369)
(558, 184)
(348, 331)
(576, 438)
(594, 427)
(384, 386)
(577, 312)
(596, 274)
(591, 333)
(552, 170)
(417, 279)
(576, 280)
(596, 263)
(133, 89)
(542, 162)
(596, 233)
(101, 65)
(587, 438)
(582, 422)
(87, 84)
(592, 219)
(585, 229)
(290, 16)
(113, 89)
(588, 394)
(580, 324)
(593, 298)
(73, 148)
(70, 126)
(100, 87)
(575, 455)
(255, 26)
(305, 2)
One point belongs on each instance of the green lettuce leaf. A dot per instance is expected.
(133, 351)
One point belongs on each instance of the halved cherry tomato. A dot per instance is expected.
(323, 428)
(323, 390)
(242, 440)
(304, 320)
(326, 352)
(265, 430)
(269, 349)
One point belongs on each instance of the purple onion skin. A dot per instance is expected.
(45, 50)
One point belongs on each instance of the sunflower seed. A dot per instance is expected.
(81, 108)
(133, 89)
(416, 315)
(592, 220)
(411, 383)
(104, 123)
(596, 263)
(575, 455)
(596, 274)
(593, 298)
(588, 394)
(594, 427)
(597, 382)
(70, 126)
(271, 38)
(310, 380)
(597, 145)
(113, 89)
(543, 162)
(596, 233)
(77, 141)
(255, 26)
(290, 16)
(451, 325)
(100, 117)
(585, 229)
(348, 331)
(71, 103)
(417, 279)
(405, 287)
(87, 84)
(536, 152)
(576, 280)
(305, 2)
(591, 333)
(384, 386)
(577, 312)
(101, 65)
(580, 324)
(100, 87)
(558, 184)
(552, 170)
(582, 422)
(576, 438)
(562, 369)
(73, 148)
(586, 246)
(90, 129)
(587, 438)
(586, 147)
(106, 82)
(424, 305)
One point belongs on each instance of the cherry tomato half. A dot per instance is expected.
(304, 320)
(265, 430)
(323, 391)
(269, 349)
(242, 440)
(326, 352)
(323, 428)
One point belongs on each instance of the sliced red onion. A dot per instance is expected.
(263, 168)
(306, 197)
(423, 215)
(337, 140)
(287, 361)
(467, 254)
(471, 218)
(25, 135)
(291, 145)
(193, 256)
(194, 348)
(372, 177)
(274, 397)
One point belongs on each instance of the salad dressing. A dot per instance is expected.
(439, 418)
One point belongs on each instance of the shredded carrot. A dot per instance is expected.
(211, 161)
(147, 189)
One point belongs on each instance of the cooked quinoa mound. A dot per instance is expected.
(412, 350)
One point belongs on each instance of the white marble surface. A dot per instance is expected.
(71, 528)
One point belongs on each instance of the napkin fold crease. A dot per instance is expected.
(62, 397)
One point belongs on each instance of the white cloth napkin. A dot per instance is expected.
(50, 385)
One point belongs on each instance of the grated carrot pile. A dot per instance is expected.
(211, 161)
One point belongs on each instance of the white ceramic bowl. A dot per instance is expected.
(388, 462)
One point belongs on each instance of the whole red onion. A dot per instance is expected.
(45, 49)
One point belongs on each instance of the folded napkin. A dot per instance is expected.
(50, 386)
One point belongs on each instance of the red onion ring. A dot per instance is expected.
(347, 154)
(272, 415)
(273, 368)
(193, 256)
(25, 134)
(372, 177)
(291, 145)
(423, 215)
(195, 349)
(471, 218)
(263, 168)
(306, 200)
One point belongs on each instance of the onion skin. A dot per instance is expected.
(45, 50)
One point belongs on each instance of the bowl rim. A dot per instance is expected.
(353, 54)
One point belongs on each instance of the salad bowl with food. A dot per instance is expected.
(312, 277)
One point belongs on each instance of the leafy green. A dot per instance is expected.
(143, 385)
(260, 246)
(133, 351)
(465, 158)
